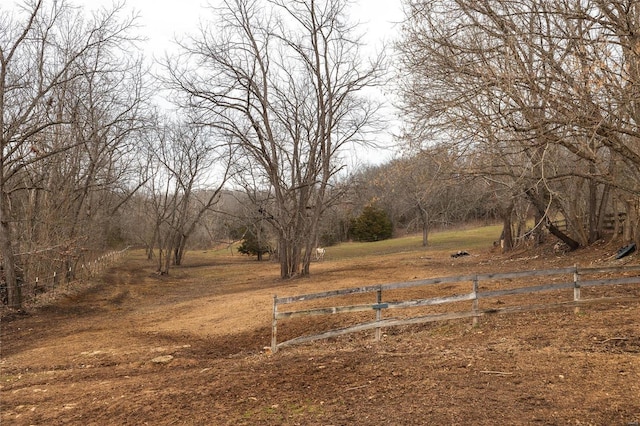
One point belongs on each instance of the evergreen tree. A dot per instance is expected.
(372, 225)
(252, 245)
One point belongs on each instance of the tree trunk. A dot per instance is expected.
(285, 258)
(540, 207)
(164, 260)
(178, 251)
(306, 259)
(424, 218)
(14, 293)
(538, 232)
(506, 241)
(594, 233)
(631, 229)
(570, 242)
(602, 209)
(290, 255)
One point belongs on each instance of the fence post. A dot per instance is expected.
(378, 313)
(475, 301)
(576, 289)
(274, 325)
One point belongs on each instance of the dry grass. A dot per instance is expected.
(88, 358)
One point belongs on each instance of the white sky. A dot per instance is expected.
(162, 21)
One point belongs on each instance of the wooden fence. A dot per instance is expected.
(77, 271)
(599, 277)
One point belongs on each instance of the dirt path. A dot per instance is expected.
(137, 349)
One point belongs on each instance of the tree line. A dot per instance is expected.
(510, 110)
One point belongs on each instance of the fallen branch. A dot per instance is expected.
(355, 388)
(498, 373)
(613, 338)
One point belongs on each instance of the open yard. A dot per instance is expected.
(135, 348)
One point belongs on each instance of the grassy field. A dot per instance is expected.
(468, 238)
(192, 347)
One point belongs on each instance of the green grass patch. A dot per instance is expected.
(448, 240)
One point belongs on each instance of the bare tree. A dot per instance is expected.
(282, 79)
(551, 83)
(55, 63)
(427, 184)
(188, 162)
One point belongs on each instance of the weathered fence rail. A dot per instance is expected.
(576, 282)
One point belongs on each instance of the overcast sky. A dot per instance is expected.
(164, 20)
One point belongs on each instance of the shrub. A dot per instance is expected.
(252, 246)
(372, 225)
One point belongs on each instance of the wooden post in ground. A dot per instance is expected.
(475, 301)
(274, 325)
(378, 313)
(576, 289)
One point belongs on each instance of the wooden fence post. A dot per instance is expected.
(475, 301)
(576, 289)
(274, 325)
(378, 313)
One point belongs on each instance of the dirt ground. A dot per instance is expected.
(133, 348)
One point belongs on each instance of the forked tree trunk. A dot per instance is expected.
(540, 207)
